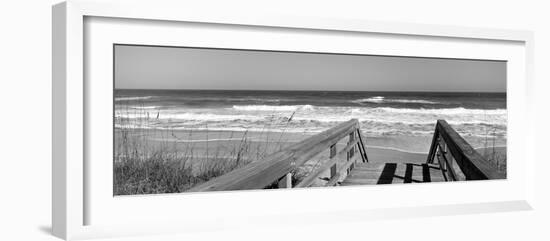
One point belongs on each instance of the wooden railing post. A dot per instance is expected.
(333, 167)
(352, 150)
(286, 181)
(433, 146)
(442, 150)
(332, 151)
(361, 146)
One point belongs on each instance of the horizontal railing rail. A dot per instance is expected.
(451, 151)
(279, 165)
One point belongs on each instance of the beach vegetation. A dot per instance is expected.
(143, 166)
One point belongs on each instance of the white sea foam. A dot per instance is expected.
(445, 111)
(376, 99)
(382, 99)
(379, 121)
(145, 107)
(273, 107)
(133, 98)
(413, 101)
(329, 114)
(378, 115)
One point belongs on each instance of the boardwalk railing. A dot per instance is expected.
(452, 151)
(278, 166)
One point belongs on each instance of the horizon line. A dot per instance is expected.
(419, 91)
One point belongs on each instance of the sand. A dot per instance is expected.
(219, 143)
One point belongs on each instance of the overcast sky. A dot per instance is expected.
(141, 67)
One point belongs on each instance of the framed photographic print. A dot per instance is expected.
(197, 119)
(191, 119)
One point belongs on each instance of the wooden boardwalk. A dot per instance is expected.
(450, 158)
(392, 173)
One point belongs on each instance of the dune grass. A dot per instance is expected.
(143, 167)
(495, 155)
(163, 173)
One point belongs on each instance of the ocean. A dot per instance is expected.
(478, 117)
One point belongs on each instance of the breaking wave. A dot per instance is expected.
(273, 107)
(382, 99)
(133, 98)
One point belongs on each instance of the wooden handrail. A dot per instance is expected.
(262, 173)
(470, 162)
(350, 153)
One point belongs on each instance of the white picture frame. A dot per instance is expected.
(73, 199)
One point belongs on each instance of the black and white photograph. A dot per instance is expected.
(203, 119)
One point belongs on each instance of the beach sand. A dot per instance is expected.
(211, 143)
(220, 144)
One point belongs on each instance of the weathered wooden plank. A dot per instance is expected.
(358, 181)
(371, 166)
(262, 173)
(399, 167)
(415, 174)
(351, 182)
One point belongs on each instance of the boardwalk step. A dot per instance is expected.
(391, 173)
